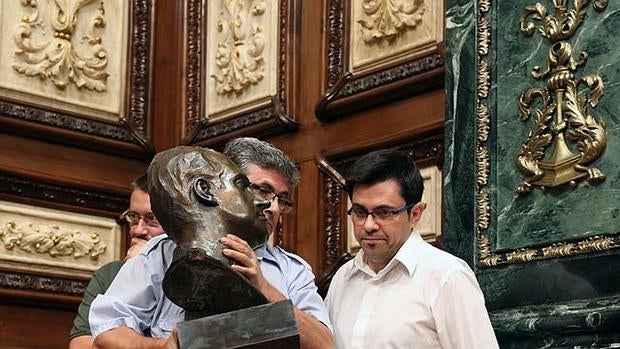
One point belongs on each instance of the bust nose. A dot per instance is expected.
(261, 203)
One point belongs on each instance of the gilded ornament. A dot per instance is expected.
(486, 258)
(482, 122)
(387, 19)
(596, 243)
(521, 255)
(57, 60)
(557, 250)
(239, 56)
(484, 209)
(482, 168)
(484, 79)
(564, 114)
(51, 240)
(484, 36)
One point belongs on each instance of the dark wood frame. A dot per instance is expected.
(346, 93)
(130, 136)
(275, 118)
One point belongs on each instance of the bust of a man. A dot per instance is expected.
(198, 195)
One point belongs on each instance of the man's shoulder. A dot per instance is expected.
(110, 268)
(440, 261)
(290, 257)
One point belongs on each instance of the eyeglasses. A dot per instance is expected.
(379, 215)
(286, 204)
(133, 218)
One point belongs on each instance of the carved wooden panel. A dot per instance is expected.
(77, 72)
(241, 69)
(378, 51)
(44, 269)
(427, 152)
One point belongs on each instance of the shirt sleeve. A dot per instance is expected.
(98, 284)
(461, 318)
(304, 294)
(132, 297)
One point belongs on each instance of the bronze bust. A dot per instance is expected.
(198, 195)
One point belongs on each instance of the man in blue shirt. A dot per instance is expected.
(135, 306)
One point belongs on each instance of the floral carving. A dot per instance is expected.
(57, 59)
(239, 57)
(51, 240)
(386, 19)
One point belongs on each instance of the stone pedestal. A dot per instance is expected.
(270, 326)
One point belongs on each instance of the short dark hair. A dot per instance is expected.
(247, 151)
(382, 165)
(140, 183)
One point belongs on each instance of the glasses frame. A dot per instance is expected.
(393, 213)
(151, 222)
(286, 204)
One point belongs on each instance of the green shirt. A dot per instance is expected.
(101, 280)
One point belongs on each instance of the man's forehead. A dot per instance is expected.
(272, 178)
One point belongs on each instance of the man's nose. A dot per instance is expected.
(139, 229)
(370, 224)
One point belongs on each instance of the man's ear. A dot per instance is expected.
(202, 189)
(416, 213)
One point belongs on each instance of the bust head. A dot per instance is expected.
(198, 195)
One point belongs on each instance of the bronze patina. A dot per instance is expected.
(198, 195)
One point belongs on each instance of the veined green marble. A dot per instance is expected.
(542, 218)
(552, 294)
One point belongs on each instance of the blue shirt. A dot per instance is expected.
(136, 299)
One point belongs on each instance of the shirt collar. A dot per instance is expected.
(406, 256)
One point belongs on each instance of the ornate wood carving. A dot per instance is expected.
(130, 135)
(47, 284)
(274, 118)
(22, 189)
(347, 92)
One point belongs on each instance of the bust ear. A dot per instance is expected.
(203, 192)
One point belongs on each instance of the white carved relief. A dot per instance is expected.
(69, 55)
(387, 31)
(385, 19)
(51, 239)
(55, 56)
(36, 238)
(242, 48)
(239, 57)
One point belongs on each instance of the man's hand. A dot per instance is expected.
(248, 265)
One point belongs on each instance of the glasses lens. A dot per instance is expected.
(150, 219)
(131, 217)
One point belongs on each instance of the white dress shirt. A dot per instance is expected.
(423, 298)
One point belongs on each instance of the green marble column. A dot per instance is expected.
(547, 258)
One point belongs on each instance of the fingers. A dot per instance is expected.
(241, 252)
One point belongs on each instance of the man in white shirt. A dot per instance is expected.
(399, 291)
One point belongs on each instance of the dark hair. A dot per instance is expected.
(247, 151)
(140, 183)
(383, 165)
